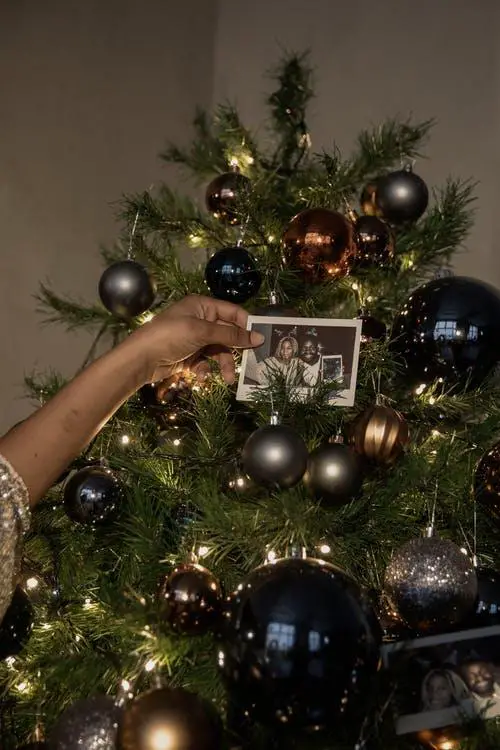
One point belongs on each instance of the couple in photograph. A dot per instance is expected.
(474, 679)
(297, 358)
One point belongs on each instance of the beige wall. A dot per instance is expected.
(90, 90)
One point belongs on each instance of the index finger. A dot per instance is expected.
(227, 312)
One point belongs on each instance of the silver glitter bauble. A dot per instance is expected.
(89, 724)
(431, 584)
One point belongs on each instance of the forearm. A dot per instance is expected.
(42, 446)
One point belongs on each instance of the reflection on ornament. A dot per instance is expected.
(317, 243)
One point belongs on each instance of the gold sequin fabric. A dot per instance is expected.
(14, 522)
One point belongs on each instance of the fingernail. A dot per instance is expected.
(257, 338)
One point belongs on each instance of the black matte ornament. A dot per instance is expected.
(275, 454)
(170, 719)
(190, 600)
(372, 329)
(401, 196)
(372, 241)
(300, 647)
(232, 274)
(17, 624)
(449, 329)
(92, 496)
(223, 195)
(126, 289)
(334, 473)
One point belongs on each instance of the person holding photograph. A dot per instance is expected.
(283, 362)
(310, 359)
(442, 688)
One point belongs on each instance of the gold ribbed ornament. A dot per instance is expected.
(380, 434)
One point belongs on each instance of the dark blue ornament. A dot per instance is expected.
(300, 647)
(449, 329)
(92, 496)
(232, 274)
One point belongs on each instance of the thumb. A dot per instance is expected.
(235, 337)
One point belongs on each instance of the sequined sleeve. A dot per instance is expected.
(14, 522)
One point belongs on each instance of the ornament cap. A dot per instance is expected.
(351, 214)
(429, 532)
(274, 419)
(297, 552)
(338, 439)
(408, 167)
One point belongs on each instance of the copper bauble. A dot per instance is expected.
(487, 483)
(318, 242)
(367, 199)
(223, 195)
(380, 433)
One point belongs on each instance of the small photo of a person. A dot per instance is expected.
(442, 688)
(283, 361)
(310, 358)
(481, 678)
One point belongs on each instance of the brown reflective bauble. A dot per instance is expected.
(318, 243)
(223, 195)
(487, 483)
(367, 199)
(169, 719)
(380, 434)
(372, 241)
(190, 600)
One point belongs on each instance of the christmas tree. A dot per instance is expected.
(374, 522)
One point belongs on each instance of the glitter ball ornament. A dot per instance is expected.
(401, 196)
(487, 483)
(334, 473)
(190, 600)
(92, 496)
(380, 433)
(170, 719)
(300, 647)
(372, 243)
(223, 195)
(449, 328)
(126, 289)
(231, 274)
(317, 243)
(89, 724)
(17, 624)
(275, 454)
(431, 584)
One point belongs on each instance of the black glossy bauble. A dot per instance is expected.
(232, 274)
(17, 624)
(334, 473)
(126, 289)
(190, 600)
(170, 719)
(372, 243)
(372, 329)
(449, 329)
(92, 496)
(401, 196)
(275, 454)
(300, 646)
(487, 607)
(224, 194)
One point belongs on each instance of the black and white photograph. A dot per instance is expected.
(445, 679)
(305, 351)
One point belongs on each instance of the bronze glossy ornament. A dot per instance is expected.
(169, 719)
(318, 243)
(224, 193)
(190, 599)
(380, 433)
(373, 245)
(487, 483)
(367, 199)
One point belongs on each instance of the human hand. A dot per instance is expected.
(189, 332)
